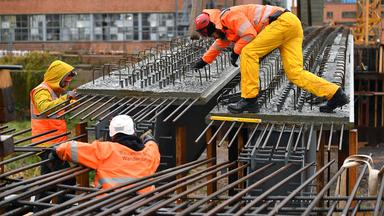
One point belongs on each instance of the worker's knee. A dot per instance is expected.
(294, 74)
(249, 53)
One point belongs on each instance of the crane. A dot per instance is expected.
(368, 25)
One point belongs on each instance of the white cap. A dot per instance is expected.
(121, 124)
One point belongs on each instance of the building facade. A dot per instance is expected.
(95, 26)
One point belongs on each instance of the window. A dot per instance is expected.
(76, 27)
(36, 27)
(114, 26)
(7, 28)
(348, 14)
(158, 26)
(53, 27)
(21, 29)
(329, 14)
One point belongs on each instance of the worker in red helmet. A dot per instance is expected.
(256, 30)
(126, 158)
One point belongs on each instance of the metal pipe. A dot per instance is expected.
(341, 137)
(161, 111)
(217, 132)
(49, 139)
(227, 133)
(204, 131)
(21, 132)
(97, 108)
(222, 190)
(164, 189)
(66, 106)
(291, 195)
(108, 199)
(142, 117)
(243, 192)
(77, 106)
(177, 109)
(310, 136)
(86, 108)
(298, 138)
(234, 136)
(319, 139)
(354, 191)
(379, 199)
(185, 110)
(322, 192)
(112, 190)
(330, 138)
(106, 109)
(115, 110)
(52, 108)
(271, 189)
(152, 209)
(34, 136)
(3, 175)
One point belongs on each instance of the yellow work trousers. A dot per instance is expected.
(286, 34)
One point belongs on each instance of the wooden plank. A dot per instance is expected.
(352, 150)
(180, 152)
(83, 179)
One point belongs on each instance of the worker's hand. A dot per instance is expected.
(53, 155)
(234, 57)
(147, 136)
(199, 64)
(72, 94)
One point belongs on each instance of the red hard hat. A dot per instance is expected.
(202, 21)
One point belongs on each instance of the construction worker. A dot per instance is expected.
(125, 158)
(49, 93)
(256, 30)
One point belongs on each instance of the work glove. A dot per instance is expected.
(199, 64)
(147, 136)
(234, 57)
(72, 94)
(53, 155)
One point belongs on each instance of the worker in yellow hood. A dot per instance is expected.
(49, 93)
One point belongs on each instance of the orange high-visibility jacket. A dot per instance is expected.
(240, 24)
(114, 163)
(40, 124)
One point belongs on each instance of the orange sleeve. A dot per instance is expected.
(153, 149)
(89, 155)
(215, 49)
(239, 23)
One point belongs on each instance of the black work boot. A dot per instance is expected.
(244, 104)
(339, 99)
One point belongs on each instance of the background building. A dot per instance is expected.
(95, 26)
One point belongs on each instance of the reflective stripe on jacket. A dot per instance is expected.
(240, 24)
(41, 124)
(114, 163)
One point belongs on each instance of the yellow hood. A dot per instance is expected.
(55, 73)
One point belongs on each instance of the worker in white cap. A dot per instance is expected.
(125, 158)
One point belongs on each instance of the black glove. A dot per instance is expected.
(148, 137)
(199, 64)
(234, 58)
(53, 155)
